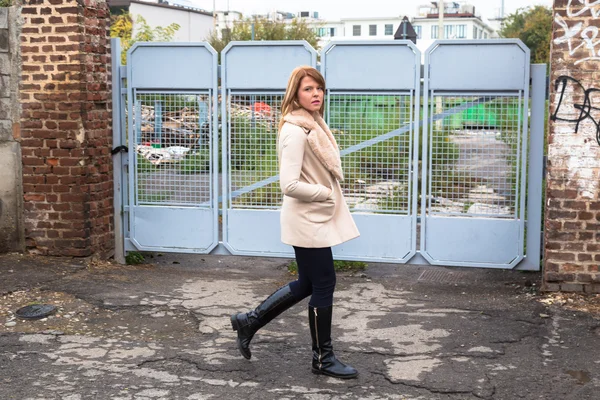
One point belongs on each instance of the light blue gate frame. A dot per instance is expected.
(496, 68)
(173, 68)
(371, 68)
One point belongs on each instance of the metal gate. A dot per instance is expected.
(172, 141)
(459, 168)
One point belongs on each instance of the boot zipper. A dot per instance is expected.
(317, 335)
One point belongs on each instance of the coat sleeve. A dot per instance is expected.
(292, 144)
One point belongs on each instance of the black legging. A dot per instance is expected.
(316, 276)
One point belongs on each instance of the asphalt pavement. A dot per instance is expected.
(161, 331)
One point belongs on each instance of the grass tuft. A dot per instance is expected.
(339, 265)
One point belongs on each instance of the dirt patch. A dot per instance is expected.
(69, 318)
(75, 316)
(588, 303)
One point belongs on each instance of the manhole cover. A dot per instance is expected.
(432, 275)
(35, 311)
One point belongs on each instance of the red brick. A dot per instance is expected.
(560, 256)
(573, 247)
(573, 225)
(575, 205)
(585, 236)
(595, 247)
(67, 10)
(34, 197)
(29, 11)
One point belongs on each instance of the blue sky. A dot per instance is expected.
(336, 9)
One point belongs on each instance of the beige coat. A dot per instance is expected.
(314, 212)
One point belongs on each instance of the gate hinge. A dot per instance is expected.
(119, 149)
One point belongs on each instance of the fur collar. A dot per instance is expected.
(320, 139)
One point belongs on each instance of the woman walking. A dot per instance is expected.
(314, 217)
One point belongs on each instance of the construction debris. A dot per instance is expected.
(158, 156)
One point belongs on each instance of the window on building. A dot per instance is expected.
(304, 14)
(332, 32)
(434, 31)
(118, 10)
(321, 32)
(461, 32)
(355, 30)
(474, 32)
(389, 29)
(418, 31)
(450, 31)
(485, 35)
(372, 30)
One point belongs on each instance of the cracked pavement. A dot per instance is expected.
(161, 331)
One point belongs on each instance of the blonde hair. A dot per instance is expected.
(290, 100)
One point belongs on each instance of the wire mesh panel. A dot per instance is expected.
(173, 149)
(377, 155)
(474, 155)
(252, 138)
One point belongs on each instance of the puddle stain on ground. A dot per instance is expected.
(582, 377)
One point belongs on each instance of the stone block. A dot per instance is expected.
(571, 287)
(4, 45)
(551, 287)
(593, 288)
(6, 132)
(5, 65)
(4, 86)
(3, 18)
(5, 108)
(10, 213)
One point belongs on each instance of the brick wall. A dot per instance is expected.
(572, 253)
(66, 127)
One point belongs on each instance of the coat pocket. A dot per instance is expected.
(321, 211)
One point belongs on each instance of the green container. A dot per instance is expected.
(349, 113)
(480, 116)
(381, 111)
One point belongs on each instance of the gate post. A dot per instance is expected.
(66, 128)
(535, 169)
(119, 158)
(572, 238)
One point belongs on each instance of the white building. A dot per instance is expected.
(460, 22)
(371, 28)
(226, 20)
(195, 24)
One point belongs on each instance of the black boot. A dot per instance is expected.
(246, 324)
(324, 361)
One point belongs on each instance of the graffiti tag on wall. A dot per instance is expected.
(584, 111)
(579, 36)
